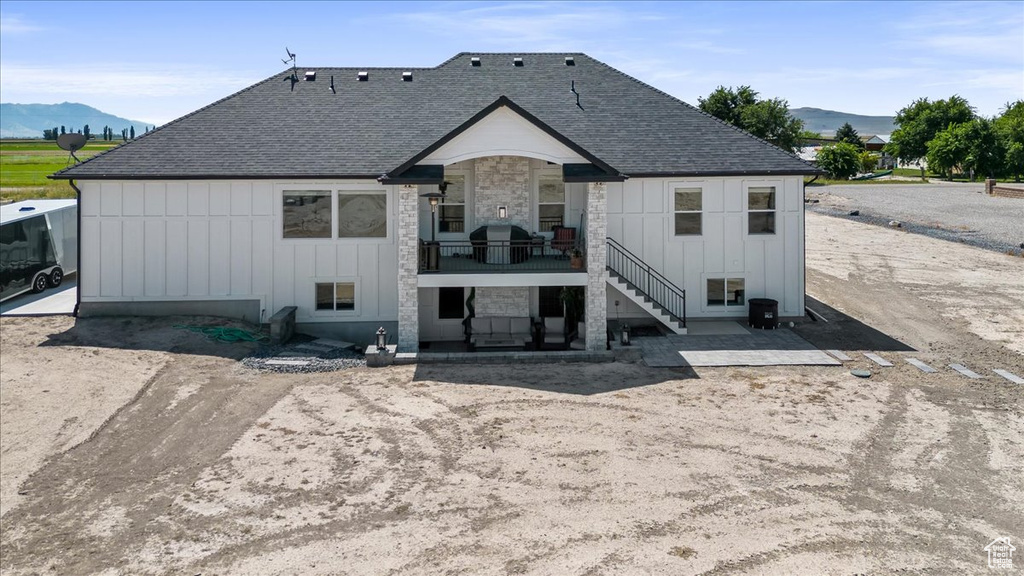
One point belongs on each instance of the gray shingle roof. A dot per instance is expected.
(369, 128)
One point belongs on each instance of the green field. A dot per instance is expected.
(25, 165)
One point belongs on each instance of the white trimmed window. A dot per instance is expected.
(726, 292)
(761, 210)
(362, 214)
(335, 296)
(307, 213)
(550, 202)
(452, 209)
(687, 205)
(334, 214)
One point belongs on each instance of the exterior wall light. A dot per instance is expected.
(502, 212)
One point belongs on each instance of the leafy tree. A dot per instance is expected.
(131, 134)
(921, 121)
(985, 151)
(85, 131)
(1009, 129)
(62, 132)
(769, 120)
(847, 134)
(840, 160)
(808, 135)
(124, 134)
(948, 151)
(868, 161)
(48, 134)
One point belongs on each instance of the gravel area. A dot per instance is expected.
(957, 212)
(292, 358)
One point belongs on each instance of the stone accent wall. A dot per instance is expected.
(597, 273)
(502, 181)
(408, 268)
(503, 301)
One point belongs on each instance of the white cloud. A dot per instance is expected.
(554, 26)
(13, 24)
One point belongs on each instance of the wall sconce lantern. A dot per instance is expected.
(502, 212)
(382, 340)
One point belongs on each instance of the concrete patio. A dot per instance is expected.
(731, 343)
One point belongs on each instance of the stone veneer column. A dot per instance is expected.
(597, 273)
(502, 181)
(408, 268)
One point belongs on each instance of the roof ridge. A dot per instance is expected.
(55, 175)
(696, 109)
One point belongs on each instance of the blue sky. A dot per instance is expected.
(154, 62)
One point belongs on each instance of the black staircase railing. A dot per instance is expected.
(636, 273)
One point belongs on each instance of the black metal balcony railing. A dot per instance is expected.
(538, 254)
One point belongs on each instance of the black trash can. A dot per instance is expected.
(764, 313)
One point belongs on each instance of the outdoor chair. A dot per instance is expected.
(554, 334)
(564, 239)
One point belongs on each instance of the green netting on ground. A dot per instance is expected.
(225, 333)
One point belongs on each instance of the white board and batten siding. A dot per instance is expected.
(208, 240)
(641, 218)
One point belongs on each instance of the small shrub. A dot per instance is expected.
(839, 160)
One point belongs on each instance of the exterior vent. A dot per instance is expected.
(474, 61)
(517, 61)
(570, 61)
(310, 75)
(363, 76)
(407, 76)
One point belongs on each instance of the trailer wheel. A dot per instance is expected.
(39, 283)
(56, 277)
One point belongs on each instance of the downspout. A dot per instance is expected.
(78, 241)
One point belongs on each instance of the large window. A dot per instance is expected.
(362, 215)
(550, 302)
(452, 209)
(687, 205)
(761, 210)
(451, 303)
(726, 292)
(551, 202)
(307, 213)
(335, 296)
(334, 214)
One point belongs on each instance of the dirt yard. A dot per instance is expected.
(129, 447)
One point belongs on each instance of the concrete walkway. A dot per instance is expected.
(780, 347)
(60, 300)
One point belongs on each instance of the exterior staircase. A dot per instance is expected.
(646, 287)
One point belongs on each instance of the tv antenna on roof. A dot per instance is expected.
(71, 142)
(294, 76)
(572, 88)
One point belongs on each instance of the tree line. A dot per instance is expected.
(126, 134)
(948, 134)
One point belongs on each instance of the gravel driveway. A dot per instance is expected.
(959, 212)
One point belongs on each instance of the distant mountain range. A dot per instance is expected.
(29, 120)
(826, 122)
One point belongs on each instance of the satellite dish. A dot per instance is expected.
(71, 142)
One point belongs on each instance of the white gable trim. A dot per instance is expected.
(503, 133)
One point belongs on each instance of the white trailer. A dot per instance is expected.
(38, 245)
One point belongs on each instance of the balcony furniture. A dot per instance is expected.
(488, 249)
(499, 332)
(564, 239)
(537, 242)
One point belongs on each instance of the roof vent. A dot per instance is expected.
(570, 61)
(26, 208)
(474, 61)
(363, 76)
(407, 76)
(310, 75)
(517, 61)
